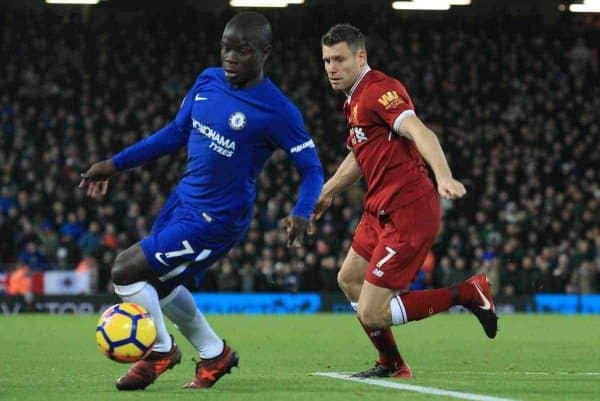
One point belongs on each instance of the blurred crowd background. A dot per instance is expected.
(514, 102)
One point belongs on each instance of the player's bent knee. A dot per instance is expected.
(372, 318)
(349, 289)
(121, 273)
(347, 281)
(341, 279)
(116, 272)
(375, 322)
(130, 266)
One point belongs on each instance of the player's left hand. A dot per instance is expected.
(450, 188)
(295, 227)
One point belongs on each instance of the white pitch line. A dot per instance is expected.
(580, 373)
(416, 389)
(564, 373)
(515, 373)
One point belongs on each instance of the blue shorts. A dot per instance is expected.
(184, 243)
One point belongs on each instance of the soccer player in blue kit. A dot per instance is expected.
(231, 120)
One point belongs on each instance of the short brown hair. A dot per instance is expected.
(344, 33)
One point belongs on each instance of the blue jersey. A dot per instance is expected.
(230, 133)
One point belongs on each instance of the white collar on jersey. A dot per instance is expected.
(362, 74)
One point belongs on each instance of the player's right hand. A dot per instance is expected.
(295, 227)
(450, 188)
(96, 178)
(323, 203)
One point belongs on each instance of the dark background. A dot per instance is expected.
(510, 87)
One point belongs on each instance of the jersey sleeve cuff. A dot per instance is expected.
(303, 214)
(117, 162)
(401, 117)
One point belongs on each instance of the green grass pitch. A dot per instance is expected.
(533, 358)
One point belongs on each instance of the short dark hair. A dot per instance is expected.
(253, 22)
(344, 33)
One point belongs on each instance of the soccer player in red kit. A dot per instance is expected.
(402, 215)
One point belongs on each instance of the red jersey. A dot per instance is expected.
(391, 164)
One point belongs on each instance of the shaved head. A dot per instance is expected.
(253, 24)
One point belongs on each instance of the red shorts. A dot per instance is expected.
(397, 243)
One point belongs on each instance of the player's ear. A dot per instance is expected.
(362, 55)
(266, 52)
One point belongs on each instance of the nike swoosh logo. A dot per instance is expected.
(486, 304)
(159, 257)
(198, 98)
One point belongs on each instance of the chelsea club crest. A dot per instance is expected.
(237, 120)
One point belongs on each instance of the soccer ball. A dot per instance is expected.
(126, 332)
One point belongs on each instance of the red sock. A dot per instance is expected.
(422, 304)
(383, 340)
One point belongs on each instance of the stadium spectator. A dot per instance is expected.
(227, 279)
(32, 257)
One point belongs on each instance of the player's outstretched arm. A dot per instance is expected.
(346, 175)
(431, 150)
(165, 141)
